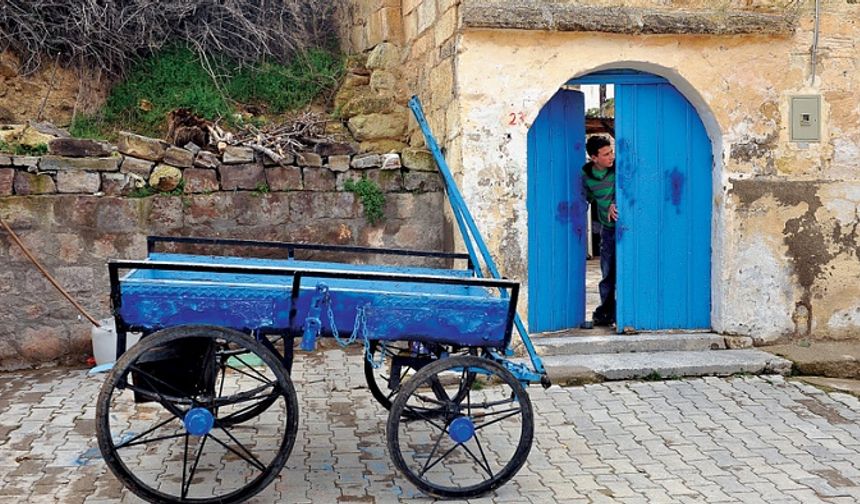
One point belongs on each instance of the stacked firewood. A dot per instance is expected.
(297, 133)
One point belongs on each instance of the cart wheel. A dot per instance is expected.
(460, 445)
(166, 417)
(379, 380)
(232, 355)
(402, 359)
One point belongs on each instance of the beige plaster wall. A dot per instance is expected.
(786, 234)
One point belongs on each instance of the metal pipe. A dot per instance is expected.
(815, 40)
(459, 204)
(152, 241)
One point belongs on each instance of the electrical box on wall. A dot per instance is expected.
(805, 114)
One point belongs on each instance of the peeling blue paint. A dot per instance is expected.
(572, 213)
(395, 310)
(676, 188)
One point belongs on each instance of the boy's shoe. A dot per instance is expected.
(601, 318)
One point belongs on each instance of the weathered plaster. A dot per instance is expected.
(774, 275)
(763, 295)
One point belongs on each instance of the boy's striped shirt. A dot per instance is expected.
(599, 189)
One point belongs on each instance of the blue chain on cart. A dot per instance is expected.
(313, 326)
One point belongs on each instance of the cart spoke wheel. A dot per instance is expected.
(379, 380)
(242, 362)
(197, 414)
(460, 438)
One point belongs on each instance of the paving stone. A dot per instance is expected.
(200, 180)
(177, 156)
(206, 159)
(618, 442)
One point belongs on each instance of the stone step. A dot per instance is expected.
(588, 368)
(607, 344)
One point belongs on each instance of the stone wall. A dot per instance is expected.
(74, 213)
(786, 248)
(367, 23)
(418, 39)
(430, 29)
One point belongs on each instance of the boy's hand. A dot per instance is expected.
(613, 212)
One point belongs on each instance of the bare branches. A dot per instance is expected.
(110, 35)
(293, 136)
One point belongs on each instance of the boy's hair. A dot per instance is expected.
(595, 143)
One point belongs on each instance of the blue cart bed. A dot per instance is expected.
(252, 294)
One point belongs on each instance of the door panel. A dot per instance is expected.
(664, 200)
(557, 214)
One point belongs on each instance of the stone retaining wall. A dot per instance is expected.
(74, 213)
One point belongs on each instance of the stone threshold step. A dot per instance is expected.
(646, 342)
(589, 368)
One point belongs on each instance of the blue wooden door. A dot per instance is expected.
(664, 201)
(557, 214)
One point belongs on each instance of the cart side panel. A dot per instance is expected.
(467, 316)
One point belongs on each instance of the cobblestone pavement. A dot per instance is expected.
(744, 439)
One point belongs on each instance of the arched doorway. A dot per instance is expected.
(664, 166)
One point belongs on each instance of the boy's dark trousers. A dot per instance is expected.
(605, 313)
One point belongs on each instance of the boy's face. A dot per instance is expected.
(604, 158)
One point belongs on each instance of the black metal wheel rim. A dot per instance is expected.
(173, 423)
(452, 444)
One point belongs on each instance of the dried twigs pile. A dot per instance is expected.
(110, 35)
(293, 136)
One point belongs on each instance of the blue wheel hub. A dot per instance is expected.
(198, 421)
(461, 429)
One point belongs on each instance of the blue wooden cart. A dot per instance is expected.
(203, 408)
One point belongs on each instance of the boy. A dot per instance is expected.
(598, 181)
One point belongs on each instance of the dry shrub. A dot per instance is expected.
(111, 35)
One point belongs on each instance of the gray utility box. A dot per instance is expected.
(805, 111)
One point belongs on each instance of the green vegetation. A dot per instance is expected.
(652, 376)
(608, 110)
(371, 196)
(24, 150)
(85, 126)
(142, 192)
(261, 188)
(147, 190)
(655, 375)
(282, 88)
(176, 77)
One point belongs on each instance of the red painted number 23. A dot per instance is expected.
(515, 118)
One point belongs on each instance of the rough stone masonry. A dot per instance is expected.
(84, 202)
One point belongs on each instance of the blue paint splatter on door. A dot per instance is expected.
(676, 188)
